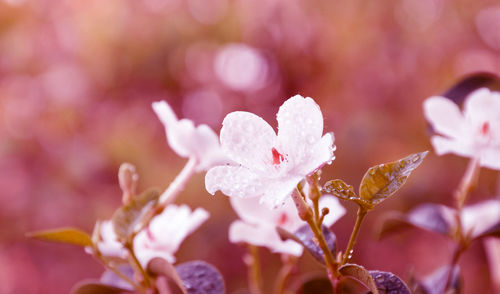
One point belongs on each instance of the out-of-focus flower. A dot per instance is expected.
(492, 248)
(186, 140)
(480, 217)
(241, 67)
(270, 166)
(109, 245)
(258, 223)
(475, 133)
(166, 232)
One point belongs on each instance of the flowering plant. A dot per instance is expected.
(273, 182)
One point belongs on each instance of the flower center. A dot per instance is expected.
(485, 128)
(277, 157)
(283, 219)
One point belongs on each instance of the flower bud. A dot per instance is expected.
(128, 178)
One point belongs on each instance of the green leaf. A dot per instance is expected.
(127, 217)
(360, 274)
(63, 235)
(383, 180)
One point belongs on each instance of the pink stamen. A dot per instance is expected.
(283, 219)
(485, 128)
(277, 157)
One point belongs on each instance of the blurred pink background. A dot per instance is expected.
(77, 79)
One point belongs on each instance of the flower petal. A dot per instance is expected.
(207, 148)
(444, 145)
(317, 156)
(275, 191)
(492, 248)
(445, 116)
(145, 254)
(336, 209)
(490, 157)
(234, 181)
(248, 140)
(167, 231)
(181, 137)
(164, 113)
(179, 133)
(251, 211)
(300, 126)
(482, 105)
(266, 236)
(481, 216)
(109, 245)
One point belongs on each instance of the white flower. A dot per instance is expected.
(475, 133)
(166, 232)
(492, 248)
(270, 165)
(476, 218)
(258, 223)
(480, 217)
(186, 140)
(109, 245)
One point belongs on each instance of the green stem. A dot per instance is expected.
(138, 265)
(467, 183)
(354, 235)
(254, 274)
(289, 262)
(306, 214)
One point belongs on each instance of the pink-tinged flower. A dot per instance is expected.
(109, 245)
(188, 141)
(166, 232)
(257, 224)
(473, 133)
(480, 217)
(492, 248)
(270, 165)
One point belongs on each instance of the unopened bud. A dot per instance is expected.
(128, 178)
(305, 212)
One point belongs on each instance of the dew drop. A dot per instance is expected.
(415, 158)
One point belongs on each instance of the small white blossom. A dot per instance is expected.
(188, 141)
(270, 165)
(473, 133)
(108, 244)
(480, 217)
(166, 232)
(258, 223)
(476, 218)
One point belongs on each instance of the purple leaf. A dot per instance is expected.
(307, 239)
(435, 283)
(389, 283)
(200, 277)
(430, 217)
(493, 231)
(111, 279)
(469, 84)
